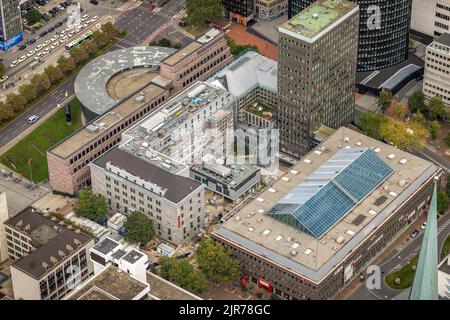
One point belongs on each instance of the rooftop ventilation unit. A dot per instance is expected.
(294, 172)
(307, 161)
(391, 156)
(140, 99)
(294, 253)
(266, 232)
(285, 179)
(403, 161)
(307, 252)
(278, 238)
(340, 239)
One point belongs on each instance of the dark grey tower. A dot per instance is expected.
(384, 31)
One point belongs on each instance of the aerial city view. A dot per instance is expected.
(239, 151)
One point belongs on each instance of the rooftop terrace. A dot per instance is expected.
(319, 16)
(313, 256)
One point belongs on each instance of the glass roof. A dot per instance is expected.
(330, 192)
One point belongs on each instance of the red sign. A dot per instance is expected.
(265, 284)
(179, 221)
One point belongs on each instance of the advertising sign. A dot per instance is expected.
(5, 45)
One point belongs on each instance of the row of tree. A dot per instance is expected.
(200, 12)
(434, 108)
(52, 75)
(215, 264)
(404, 135)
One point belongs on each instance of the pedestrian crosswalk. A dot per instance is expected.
(441, 228)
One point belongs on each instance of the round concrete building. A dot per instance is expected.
(111, 78)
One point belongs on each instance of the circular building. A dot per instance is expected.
(116, 75)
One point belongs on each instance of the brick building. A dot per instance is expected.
(321, 224)
(197, 60)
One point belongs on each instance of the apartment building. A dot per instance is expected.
(316, 72)
(49, 258)
(197, 60)
(129, 183)
(270, 9)
(240, 11)
(429, 19)
(436, 80)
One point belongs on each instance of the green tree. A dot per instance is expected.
(370, 122)
(78, 54)
(91, 206)
(110, 30)
(200, 12)
(216, 262)
(67, 65)
(435, 129)
(6, 112)
(28, 91)
(384, 100)
(138, 228)
(399, 111)
(33, 16)
(54, 74)
(442, 202)
(419, 118)
(403, 135)
(447, 139)
(237, 50)
(41, 82)
(90, 47)
(436, 107)
(101, 39)
(416, 102)
(16, 101)
(181, 272)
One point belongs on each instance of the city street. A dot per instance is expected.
(396, 259)
(152, 21)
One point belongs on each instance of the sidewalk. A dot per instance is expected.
(399, 244)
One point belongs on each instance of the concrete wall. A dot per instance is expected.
(3, 218)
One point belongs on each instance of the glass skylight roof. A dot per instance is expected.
(330, 192)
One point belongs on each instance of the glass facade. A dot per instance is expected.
(330, 192)
(382, 44)
(10, 21)
(243, 8)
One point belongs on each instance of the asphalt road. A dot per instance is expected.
(397, 259)
(139, 22)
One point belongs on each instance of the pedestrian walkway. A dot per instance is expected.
(390, 252)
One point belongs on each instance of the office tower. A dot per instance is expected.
(384, 31)
(10, 24)
(316, 72)
(240, 11)
(437, 69)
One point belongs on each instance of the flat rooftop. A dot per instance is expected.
(110, 284)
(96, 128)
(192, 47)
(146, 138)
(247, 72)
(92, 81)
(388, 77)
(166, 290)
(230, 175)
(316, 18)
(176, 187)
(315, 255)
(49, 238)
(444, 39)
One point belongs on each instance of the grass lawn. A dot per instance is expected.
(406, 275)
(445, 248)
(35, 145)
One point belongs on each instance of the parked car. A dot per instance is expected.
(415, 233)
(94, 2)
(59, 24)
(423, 226)
(23, 47)
(43, 34)
(31, 41)
(33, 119)
(4, 78)
(51, 29)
